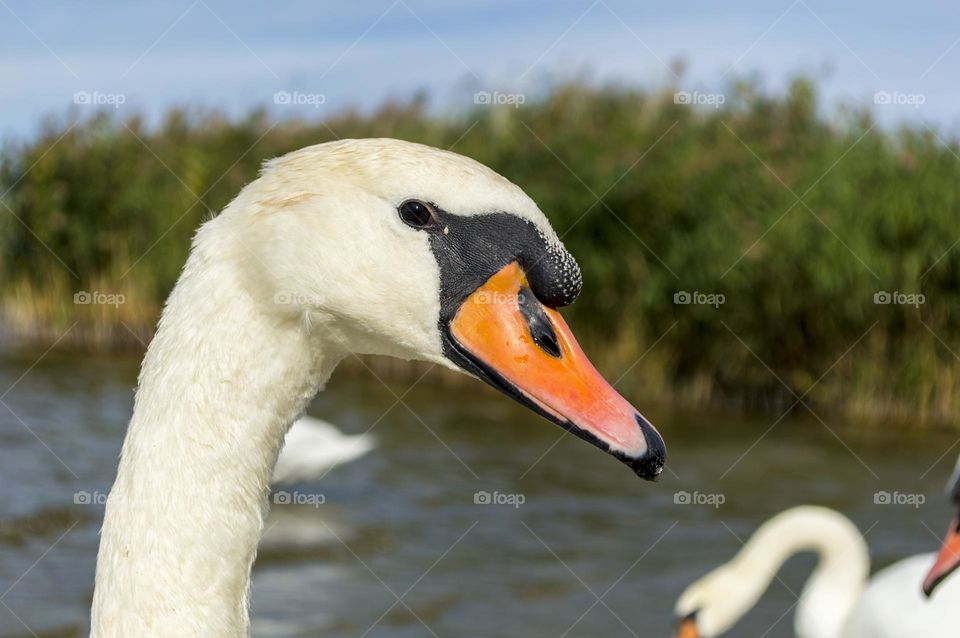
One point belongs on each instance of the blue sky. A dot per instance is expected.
(236, 55)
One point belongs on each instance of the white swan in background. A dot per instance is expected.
(311, 448)
(356, 246)
(837, 600)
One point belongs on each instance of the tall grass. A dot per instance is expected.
(797, 219)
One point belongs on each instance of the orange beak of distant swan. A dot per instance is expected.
(525, 348)
(686, 628)
(947, 560)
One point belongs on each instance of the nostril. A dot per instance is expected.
(538, 323)
(548, 341)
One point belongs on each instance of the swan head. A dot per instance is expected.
(948, 560)
(713, 604)
(394, 248)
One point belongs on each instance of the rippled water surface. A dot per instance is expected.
(591, 550)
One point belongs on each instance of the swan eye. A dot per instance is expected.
(416, 213)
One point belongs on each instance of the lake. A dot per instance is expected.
(573, 544)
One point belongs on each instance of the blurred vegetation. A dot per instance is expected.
(652, 197)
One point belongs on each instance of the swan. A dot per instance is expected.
(948, 559)
(311, 448)
(371, 246)
(837, 600)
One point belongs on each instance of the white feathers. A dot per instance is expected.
(308, 265)
(892, 606)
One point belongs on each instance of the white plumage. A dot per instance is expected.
(892, 605)
(308, 265)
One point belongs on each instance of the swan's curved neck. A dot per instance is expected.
(832, 589)
(220, 385)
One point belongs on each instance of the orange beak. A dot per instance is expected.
(518, 345)
(947, 560)
(686, 628)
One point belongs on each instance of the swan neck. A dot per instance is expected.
(220, 384)
(842, 569)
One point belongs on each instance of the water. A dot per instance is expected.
(402, 522)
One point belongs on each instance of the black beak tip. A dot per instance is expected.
(931, 585)
(649, 466)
